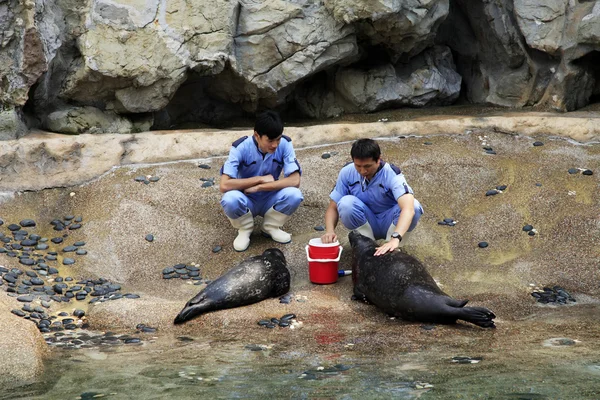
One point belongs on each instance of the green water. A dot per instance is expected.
(165, 367)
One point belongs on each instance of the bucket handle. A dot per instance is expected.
(323, 259)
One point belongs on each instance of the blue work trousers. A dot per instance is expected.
(235, 203)
(354, 213)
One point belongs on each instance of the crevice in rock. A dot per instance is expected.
(590, 63)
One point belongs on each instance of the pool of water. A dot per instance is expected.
(192, 368)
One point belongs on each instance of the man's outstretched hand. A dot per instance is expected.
(387, 247)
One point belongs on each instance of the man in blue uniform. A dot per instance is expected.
(251, 184)
(372, 197)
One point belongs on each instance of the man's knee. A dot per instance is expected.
(346, 205)
(293, 196)
(234, 204)
(289, 200)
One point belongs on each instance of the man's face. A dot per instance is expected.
(265, 144)
(366, 166)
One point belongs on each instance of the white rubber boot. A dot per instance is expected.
(366, 230)
(272, 223)
(391, 230)
(245, 226)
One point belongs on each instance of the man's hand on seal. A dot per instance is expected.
(387, 247)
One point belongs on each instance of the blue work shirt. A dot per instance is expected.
(379, 194)
(247, 161)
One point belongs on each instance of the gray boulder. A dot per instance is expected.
(77, 120)
(428, 79)
(12, 124)
(22, 346)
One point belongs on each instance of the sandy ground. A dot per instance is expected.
(450, 175)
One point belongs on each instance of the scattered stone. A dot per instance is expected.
(537, 144)
(69, 249)
(560, 342)
(81, 252)
(57, 240)
(319, 228)
(288, 320)
(206, 184)
(466, 360)
(204, 166)
(26, 223)
(79, 244)
(14, 227)
(573, 171)
(492, 192)
(448, 222)
(145, 329)
(588, 172)
(25, 299)
(428, 143)
(78, 313)
(149, 237)
(483, 245)
(285, 299)
(255, 347)
(217, 249)
(139, 178)
(527, 228)
(501, 187)
(325, 156)
(68, 261)
(18, 313)
(154, 179)
(555, 295)
(74, 227)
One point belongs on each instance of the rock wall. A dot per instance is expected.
(99, 66)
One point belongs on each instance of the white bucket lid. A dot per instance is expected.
(316, 242)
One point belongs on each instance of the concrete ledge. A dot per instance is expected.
(45, 160)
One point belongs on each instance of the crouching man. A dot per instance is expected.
(373, 198)
(251, 184)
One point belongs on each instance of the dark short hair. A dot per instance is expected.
(268, 123)
(365, 148)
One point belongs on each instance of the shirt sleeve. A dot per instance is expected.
(231, 166)
(340, 189)
(290, 163)
(400, 187)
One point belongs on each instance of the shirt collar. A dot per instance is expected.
(258, 148)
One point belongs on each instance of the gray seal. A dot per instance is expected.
(400, 285)
(253, 280)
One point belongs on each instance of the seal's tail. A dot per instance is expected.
(479, 316)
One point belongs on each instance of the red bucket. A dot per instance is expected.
(319, 250)
(323, 271)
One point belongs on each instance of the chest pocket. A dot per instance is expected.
(276, 168)
(384, 191)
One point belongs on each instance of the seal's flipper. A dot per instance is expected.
(456, 303)
(479, 316)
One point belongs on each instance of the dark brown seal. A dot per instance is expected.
(253, 280)
(400, 285)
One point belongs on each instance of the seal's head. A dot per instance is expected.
(275, 256)
(359, 243)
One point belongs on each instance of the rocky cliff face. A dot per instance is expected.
(97, 66)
